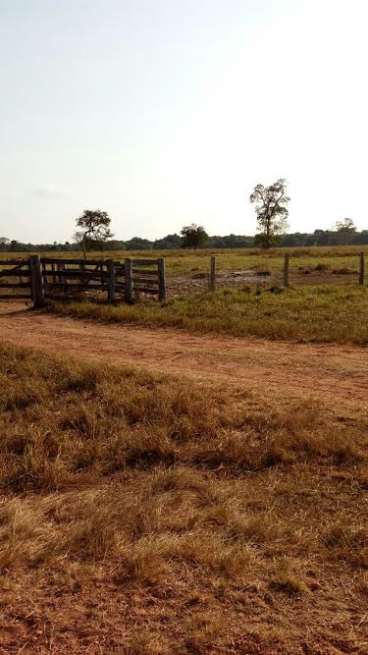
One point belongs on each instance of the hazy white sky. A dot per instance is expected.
(164, 112)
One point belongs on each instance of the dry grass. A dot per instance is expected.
(150, 516)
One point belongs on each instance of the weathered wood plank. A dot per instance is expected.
(14, 262)
(15, 285)
(111, 282)
(77, 286)
(286, 269)
(87, 262)
(145, 272)
(361, 269)
(162, 280)
(212, 278)
(38, 291)
(16, 273)
(14, 296)
(77, 274)
(129, 283)
(148, 281)
(145, 262)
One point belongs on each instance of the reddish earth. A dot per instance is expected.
(335, 373)
(95, 619)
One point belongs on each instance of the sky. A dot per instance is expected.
(168, 112)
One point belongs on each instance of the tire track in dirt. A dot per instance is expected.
(337, 374)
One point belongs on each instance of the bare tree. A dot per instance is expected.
(346, 225)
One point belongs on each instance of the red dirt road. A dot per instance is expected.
(337, 374)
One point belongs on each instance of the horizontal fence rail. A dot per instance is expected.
(42, 279)
(16, 278)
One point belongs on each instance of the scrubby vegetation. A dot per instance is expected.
(322, 314)
(149, 515)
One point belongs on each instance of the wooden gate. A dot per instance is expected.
(49, 278)
(15, 279)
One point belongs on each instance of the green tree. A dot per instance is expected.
(93, 229)
(171, 241)
(271, 205)
(193, 236)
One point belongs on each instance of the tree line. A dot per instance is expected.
(271, 206)
(175, 241)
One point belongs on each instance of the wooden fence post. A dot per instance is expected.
(361, 269)
(161, 280)
(38, 291)
(212, 280)
(286, 269)
(110, 281)
(128, 281)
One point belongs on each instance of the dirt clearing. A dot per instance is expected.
(334, 373)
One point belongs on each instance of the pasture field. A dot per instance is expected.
(144, 514)
(182, 262)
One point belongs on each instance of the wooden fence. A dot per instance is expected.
(42, 279)
(360, 272)
(214, 277)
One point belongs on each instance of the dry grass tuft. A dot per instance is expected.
(287, 581)
(347, 542)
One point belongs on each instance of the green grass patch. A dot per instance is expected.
(307, 314)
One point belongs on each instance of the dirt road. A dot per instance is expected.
(335, 373)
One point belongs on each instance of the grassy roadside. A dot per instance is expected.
(307, 314)
(151, 516)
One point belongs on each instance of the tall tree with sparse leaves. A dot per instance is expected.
(345, 231)
(346, 225)
(271, 205)
(93, 229)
